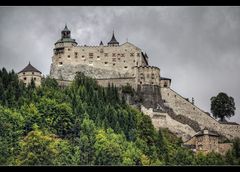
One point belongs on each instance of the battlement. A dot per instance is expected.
(147, 67)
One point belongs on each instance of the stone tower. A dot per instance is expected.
(29, 73)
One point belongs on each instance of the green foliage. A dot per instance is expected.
(109, 147)
(222, 106)
(85, 124)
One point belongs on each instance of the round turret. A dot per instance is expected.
(29, 73)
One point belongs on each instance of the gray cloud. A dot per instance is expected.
(198, 47)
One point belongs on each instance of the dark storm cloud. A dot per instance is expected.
(198, 47)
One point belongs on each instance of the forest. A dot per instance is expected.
(86, 124)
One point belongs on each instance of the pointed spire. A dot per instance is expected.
(113, 40)
(66, 28)
(101, 43)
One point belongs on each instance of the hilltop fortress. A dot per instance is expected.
(127, 64)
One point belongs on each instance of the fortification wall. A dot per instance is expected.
(183, 107)
(163, 120)
(67, 72)
(118, 82)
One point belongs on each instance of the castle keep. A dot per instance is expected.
(123, 64)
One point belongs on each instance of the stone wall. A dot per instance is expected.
(150, 95)
(163, 120)
(147, 75)
(26, 77)
(224, 147)
(118, 82)
(183, 107)
(67, 72)
(118, 58)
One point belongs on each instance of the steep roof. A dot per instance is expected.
(66, 28)
(145, 57)
(113, 40)
(101, 43)
(29, 68)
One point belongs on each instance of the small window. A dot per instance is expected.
(114, 54)
(194, 108)
(60, 57)
(131, 54)
(133, 60)
(25, 78)
(60, 63)
(90, 54)
(122, 55)
(105, 54)
(68, 49)
(76, 53)
(33, 73)
(34, 79)
(175, 95)
(152, 82)
(138, 54)
(125, 67)
(165, 84)
(68, 56)
(124, 61)
(23, 73)
(82, 56)
(106, 62)
(140, 82)
(114, 59)
(113, 64)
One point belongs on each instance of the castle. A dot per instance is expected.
(127, 64)
(111, 63)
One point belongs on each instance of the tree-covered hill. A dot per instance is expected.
(85, 124)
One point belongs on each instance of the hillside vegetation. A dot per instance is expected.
(85, 124)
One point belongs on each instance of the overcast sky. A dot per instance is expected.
(197, 47)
